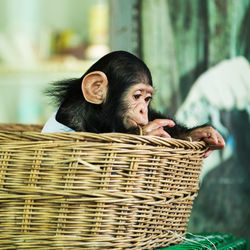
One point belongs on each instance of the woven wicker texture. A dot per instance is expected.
(95, 191)
(20, 127)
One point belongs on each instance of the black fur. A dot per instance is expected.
(123, 70)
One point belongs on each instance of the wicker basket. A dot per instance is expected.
(94, 191)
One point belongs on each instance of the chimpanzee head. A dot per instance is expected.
(112, 96)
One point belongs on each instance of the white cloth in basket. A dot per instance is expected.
(52, 126)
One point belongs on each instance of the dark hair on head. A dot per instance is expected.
(122, 65)
(122, 69)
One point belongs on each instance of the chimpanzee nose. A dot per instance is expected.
(142, 110)
(142, 114)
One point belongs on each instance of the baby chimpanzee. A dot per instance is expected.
(114, 96)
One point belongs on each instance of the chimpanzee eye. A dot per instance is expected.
(148, 98)
(137, 96)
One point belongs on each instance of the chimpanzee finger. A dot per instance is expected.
(215, 139)
(221, 141)
(158, 123)
(211, 141)
(198, 136)
(214, 143)
(157, 132)
(208, 153)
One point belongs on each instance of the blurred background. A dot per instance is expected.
(197, 50)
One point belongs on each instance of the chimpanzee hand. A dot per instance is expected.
(209, 135)
(155, 127)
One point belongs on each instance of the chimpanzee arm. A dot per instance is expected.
(178, 131)
(204, 133)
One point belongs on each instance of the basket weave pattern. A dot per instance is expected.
(93, 191)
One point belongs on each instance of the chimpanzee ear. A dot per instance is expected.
(94, 87)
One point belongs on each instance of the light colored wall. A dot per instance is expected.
(24, 25)
(33, 16)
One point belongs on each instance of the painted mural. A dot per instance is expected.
(221, 97)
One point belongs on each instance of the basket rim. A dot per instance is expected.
(114, 137)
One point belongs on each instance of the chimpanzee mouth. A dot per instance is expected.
(134, 124)
(130, 123)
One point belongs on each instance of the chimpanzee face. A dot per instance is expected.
(132, 106)
(135, 103)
